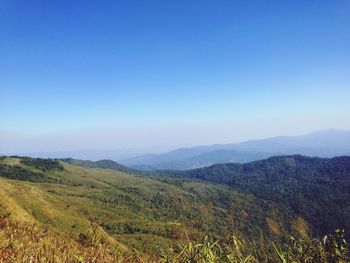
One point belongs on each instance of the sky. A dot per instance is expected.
(164, 74)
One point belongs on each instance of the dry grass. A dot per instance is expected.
(20, 242)
(23, 242)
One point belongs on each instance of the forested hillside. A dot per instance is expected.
(259, 202)
(316, 189)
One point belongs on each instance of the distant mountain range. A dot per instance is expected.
(326, 143)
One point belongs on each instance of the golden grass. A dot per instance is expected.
(20, 242)
(300, 226)
(11, 161)
(274, 227)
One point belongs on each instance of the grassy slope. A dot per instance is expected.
(139, 212)
(23, 242)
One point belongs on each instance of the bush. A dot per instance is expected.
(19, 173)
(42, 164)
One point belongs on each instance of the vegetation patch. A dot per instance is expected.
(19, 173)
(42, 164)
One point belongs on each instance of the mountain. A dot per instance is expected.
(316, 189)
(205, 159)
(258, 201)
(327, 143)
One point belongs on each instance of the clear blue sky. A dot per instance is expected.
(116, 74)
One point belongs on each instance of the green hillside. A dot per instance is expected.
(150, 213)
(316, 189)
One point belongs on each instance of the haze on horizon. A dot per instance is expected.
(159, 75)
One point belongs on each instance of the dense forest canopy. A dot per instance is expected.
(317, 189)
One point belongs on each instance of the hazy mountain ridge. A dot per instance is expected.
(327, 143)
(206, 159)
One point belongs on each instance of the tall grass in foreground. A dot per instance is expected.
(331, 249)
(29, 243)
(210, 252)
